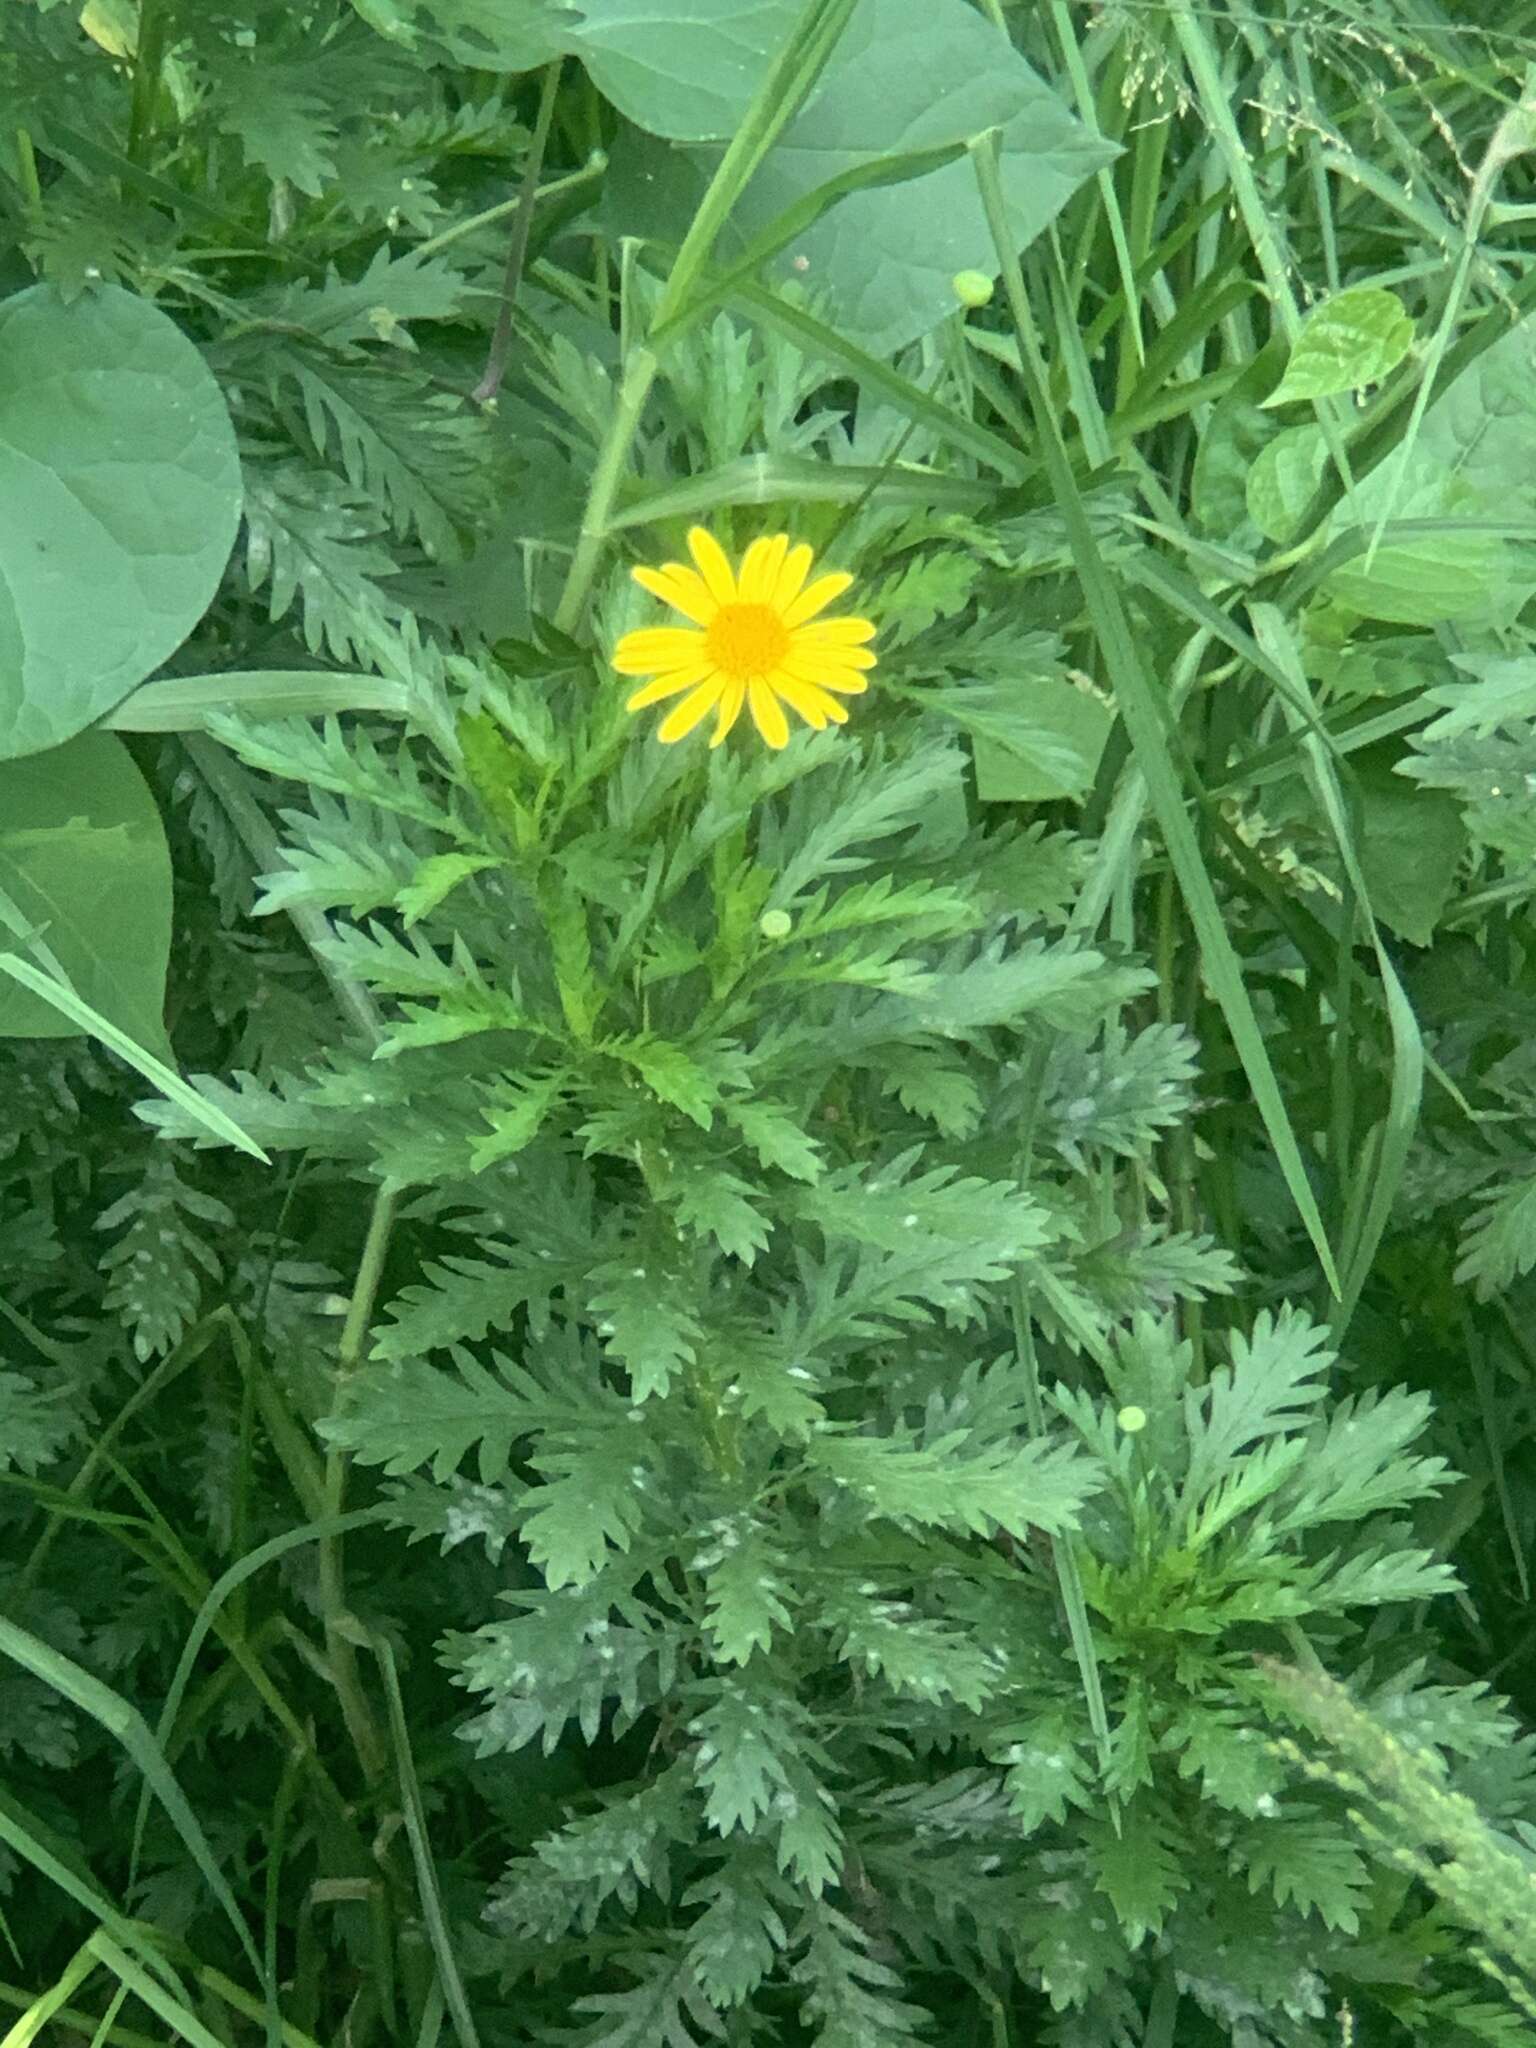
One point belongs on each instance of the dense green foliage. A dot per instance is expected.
(847, 1396)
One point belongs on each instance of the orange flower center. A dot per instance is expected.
(746, 640)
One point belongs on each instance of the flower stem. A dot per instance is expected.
(639, 375)
(778, 99)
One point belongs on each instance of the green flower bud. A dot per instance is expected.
(775, 924)
(971, 287)
(1132, 1419)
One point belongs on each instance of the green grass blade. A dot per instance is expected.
(23, 1833)
(149, 1991)
(1138, 706)
(227, 1583)
(773, 479)
(1379, 1173)
(186, 703)
(795, 220)
(81, 1966)
(69, 1005)
(213, 1602)
(784, 90)
(127, 1726)
(431, 1901)
(827, 345)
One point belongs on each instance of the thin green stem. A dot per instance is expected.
(517, 244)
(1145, 715)
(26, 164)
(340, 1628)
(639, 375)
(780, 97)
(556, 189)
(155, 18)
(1216, 106)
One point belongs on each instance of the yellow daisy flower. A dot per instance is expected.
(759, 642)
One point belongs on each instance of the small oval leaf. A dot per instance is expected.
(1354, 338)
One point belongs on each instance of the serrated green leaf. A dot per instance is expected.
(589, 1505)
(712, 1202)
(777, 1138)
(744, 1593)
(646, 1324)
(36, 1423)
(1306, 1861)
(1237, 1768)
(733, 1944)
(412, 1415)
(1140, 1864)
(673, 1075)
(436, 879)
(913, 1653)
(1046, 1770)
(943, 1485)
(1499, 1241)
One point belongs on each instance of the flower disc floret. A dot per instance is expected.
(757, 641)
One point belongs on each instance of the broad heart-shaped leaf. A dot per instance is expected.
(1475, 461)
(1034, 740)
(1412, 843)
(1416, 581)
(490, 35)
(119, 497)
(1352, 339)
(1238, 430)
(903, 78)
(1282, 477)
(83, 859)
(685, 69)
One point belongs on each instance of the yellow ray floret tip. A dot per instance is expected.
(756, 640)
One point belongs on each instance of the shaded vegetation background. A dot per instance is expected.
(869, 1395)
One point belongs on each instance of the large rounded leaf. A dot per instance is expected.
(906, 77)
(119, 497)
(83, 859)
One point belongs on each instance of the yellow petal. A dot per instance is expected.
(698, 704)
(730, 710)
(768, 713)
(810, 655)
(760, 567)
(669, 685)
(797, 566)
(812, 703)
(651, 649)
(680, 587)
(826, 675)
(713, 566)
(816, 597)
(838, 632)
